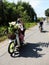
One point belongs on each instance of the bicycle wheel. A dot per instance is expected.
(11, 47)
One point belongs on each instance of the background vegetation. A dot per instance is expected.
(47, 12)
(10, 12)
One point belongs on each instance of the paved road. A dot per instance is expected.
(36, 51)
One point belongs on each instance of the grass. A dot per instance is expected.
(30, 24)
(2, 29)
(3, 38)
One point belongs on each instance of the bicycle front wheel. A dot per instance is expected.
(11, 47)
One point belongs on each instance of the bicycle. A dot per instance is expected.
(16, 42)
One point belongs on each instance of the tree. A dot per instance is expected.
(1, 12)
(29, 10)
(47, 12)
(11, 11)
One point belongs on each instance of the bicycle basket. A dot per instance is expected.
(11, 36)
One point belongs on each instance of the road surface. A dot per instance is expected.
(36, 51)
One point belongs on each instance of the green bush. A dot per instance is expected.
(29, 24)
(3, 38)
(2, 29)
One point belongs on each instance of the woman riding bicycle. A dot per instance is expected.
(20, 25)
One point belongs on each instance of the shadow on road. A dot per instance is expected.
(31, 50)
(45, 31)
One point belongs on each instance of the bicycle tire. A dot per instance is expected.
(11, 47)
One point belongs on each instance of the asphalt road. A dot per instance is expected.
(35, 52)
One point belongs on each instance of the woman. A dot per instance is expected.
(21, 25)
